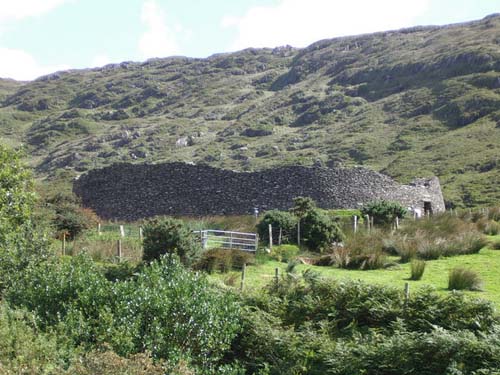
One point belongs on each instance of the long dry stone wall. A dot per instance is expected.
(132, 191)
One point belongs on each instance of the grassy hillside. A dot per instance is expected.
(412, 102)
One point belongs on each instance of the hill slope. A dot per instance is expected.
(412, 102)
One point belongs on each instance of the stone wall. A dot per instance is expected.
(132, 191)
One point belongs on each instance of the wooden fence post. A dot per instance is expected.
(140, 233)
(270, 237)
(407, 294)
(279, 237)
(276, 275)
(367, 217)
(243, 271)
(63, 243)
(122, 231)
(355, 223)
(99, 229)
(397, 222)
(298, 233)
(119, 250)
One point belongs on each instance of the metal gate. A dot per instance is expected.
(211, 238)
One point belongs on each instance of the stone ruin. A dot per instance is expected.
(135, 191)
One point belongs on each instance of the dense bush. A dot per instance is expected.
(278, 219)
(284, 253)
(319, 230)
(461, 278)
(165, 309)
(364, 250)
(317, 326)
(383, 212)
(223, 260)
(163, 235)
(21, 242)
(417, 269)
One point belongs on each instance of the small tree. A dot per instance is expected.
(383, 212)
(169, 236)
(320, 230)
(278, 219)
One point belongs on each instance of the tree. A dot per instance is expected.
(383, 212)
(164, 235)
(20, 243)
(278, 219)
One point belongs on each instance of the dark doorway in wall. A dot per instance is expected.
(427, 208)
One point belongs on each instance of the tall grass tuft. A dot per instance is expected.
(417, 269)
(464, 279)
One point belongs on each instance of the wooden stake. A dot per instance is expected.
(279, 237)
(243, 271)
(407, 293)
(276, 275)
(397, 222)
(64, 243)
(270, 237)
(355, 223)
(99, 229)
(122, 231)
(119, 250)
(140, 233)
(367, 218)
(298, 233)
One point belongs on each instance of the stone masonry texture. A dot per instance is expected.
(135, 191)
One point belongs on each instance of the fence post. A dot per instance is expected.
(270, 237)
(122, 231)
(231, 240)
(298, 233)
(397, 222)
(276, 275)
(367, 217)
(256, 242)
(407, 294)
(99, 229)
(119, 250)
(279, 238)
(64, 243)
(355, 223)
(243, 271)
(371, 223)
(140, 233)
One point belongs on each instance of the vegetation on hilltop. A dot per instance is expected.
(412, 102)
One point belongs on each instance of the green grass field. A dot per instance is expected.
(486, 263)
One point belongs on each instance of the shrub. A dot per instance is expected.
(362, 250)
(495, 245)
(223, 260)
(319, 230)
(489, 227)
(462, 278)
(383, 212)
(278, 219)
(169, 236)
(417, 269)
(285, 253)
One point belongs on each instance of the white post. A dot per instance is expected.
(99, 229)
(355, 223)
(397, 222)
(140, 233)
(367, 222)
(279, 238)
(122, 231)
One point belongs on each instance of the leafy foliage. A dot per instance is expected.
(278, 219)
(169, 236)
(383, 212)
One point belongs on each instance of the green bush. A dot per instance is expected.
(165, 309)
(285, 253)
(223, 260)
(319, 230)
(417, 269)
(163, 235)
(383, 212)
(278, 219)
(462, 278)
(362, 250)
